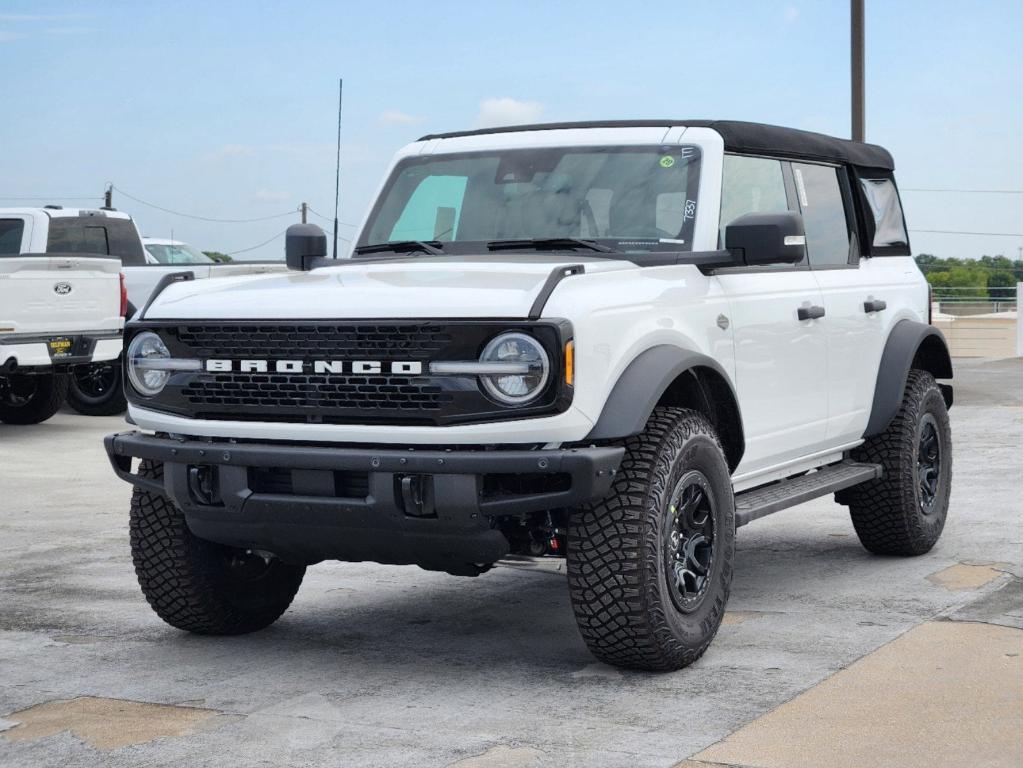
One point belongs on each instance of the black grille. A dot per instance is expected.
(319, 341)
(211, 392)
(345, 397)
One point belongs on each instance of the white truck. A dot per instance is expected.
(62, 302)
(614, 342)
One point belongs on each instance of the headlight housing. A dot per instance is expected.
(144, 371)
(525, 356)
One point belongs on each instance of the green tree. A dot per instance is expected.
(218, 256)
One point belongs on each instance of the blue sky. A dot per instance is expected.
(227, 109)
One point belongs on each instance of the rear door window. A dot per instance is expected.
(11, 232)
(96, 235)
(819, 192)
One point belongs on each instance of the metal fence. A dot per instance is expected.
(979, 322)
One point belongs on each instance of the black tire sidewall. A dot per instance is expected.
(931, 525)
(50, 393)
(111, 403)
(702, 453)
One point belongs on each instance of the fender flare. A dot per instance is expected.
(905, 342)
(641, 385)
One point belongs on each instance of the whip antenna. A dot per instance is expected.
(337, 172)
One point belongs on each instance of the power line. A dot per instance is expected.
(204, 218)
(964, 191)
(254, 247)
(957, 232)
(327, 218)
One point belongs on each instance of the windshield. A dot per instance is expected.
(179, 253)
(626, 198)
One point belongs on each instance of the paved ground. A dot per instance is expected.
(827, 654)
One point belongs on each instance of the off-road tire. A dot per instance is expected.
(188, 580)
(617, 573)
(887, 513)
(50, 393)
(108, 403)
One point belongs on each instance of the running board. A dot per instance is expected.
(760, 502)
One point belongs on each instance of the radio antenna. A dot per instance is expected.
(337, 172)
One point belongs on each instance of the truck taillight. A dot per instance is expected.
(124, 297)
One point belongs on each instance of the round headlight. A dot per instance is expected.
(528, 364)
(144, 350)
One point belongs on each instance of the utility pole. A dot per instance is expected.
(858, 87)
(305, 210)
(108, 198)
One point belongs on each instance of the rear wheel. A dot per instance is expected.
(904, 512)
(31, 398)
(96, 389)
(650, 566)
(197, 585)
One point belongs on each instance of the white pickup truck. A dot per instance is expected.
(96, 390)
(62, 301)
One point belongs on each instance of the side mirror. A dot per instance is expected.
(767, 238)
(303, 244)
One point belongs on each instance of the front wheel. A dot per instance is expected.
(96, 389)
(650, 566)
(31, 398)
(197, 585)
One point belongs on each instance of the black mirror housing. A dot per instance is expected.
(303, 244)
(767, 238)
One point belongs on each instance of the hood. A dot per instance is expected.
(420, 287)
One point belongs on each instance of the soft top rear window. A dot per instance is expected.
(96, 235)
(883, 199)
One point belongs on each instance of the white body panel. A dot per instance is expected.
(51, 295)
(804, 387)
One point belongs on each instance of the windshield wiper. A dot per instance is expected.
(432, 247)
(547, 243)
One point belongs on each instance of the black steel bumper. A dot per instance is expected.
(310, 503)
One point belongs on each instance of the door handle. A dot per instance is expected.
(874, 305)
(810, 313)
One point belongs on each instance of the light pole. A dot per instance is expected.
(858, 90)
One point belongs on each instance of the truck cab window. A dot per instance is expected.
(10, 236)
(820, 201)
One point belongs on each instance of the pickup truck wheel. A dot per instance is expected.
(904, 512)
(650, 566)
(198, 585)
(96, 389)
(30, 399)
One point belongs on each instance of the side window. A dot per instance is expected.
(820, 201)
(11, 231)
(751, 185)
(432, 211)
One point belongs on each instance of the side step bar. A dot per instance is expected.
(760, 502)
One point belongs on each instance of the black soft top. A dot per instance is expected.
(739, 136)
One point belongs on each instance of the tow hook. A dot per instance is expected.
(417, 495)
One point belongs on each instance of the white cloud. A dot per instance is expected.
(507, 111)
(6, 37)
(271, 196)
(791, 13)
(397, 117)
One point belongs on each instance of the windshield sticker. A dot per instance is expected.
(689, 212)
(667, 161)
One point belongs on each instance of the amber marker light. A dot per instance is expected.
(570, 363)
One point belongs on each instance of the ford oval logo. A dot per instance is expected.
(62, 289)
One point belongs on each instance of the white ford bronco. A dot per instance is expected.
(62, 302)
(611, 342)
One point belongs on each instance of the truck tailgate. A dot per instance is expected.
(55, 294)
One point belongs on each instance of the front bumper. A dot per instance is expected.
(308, 503)
(32, 350)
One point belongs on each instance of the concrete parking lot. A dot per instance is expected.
(828, 657)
